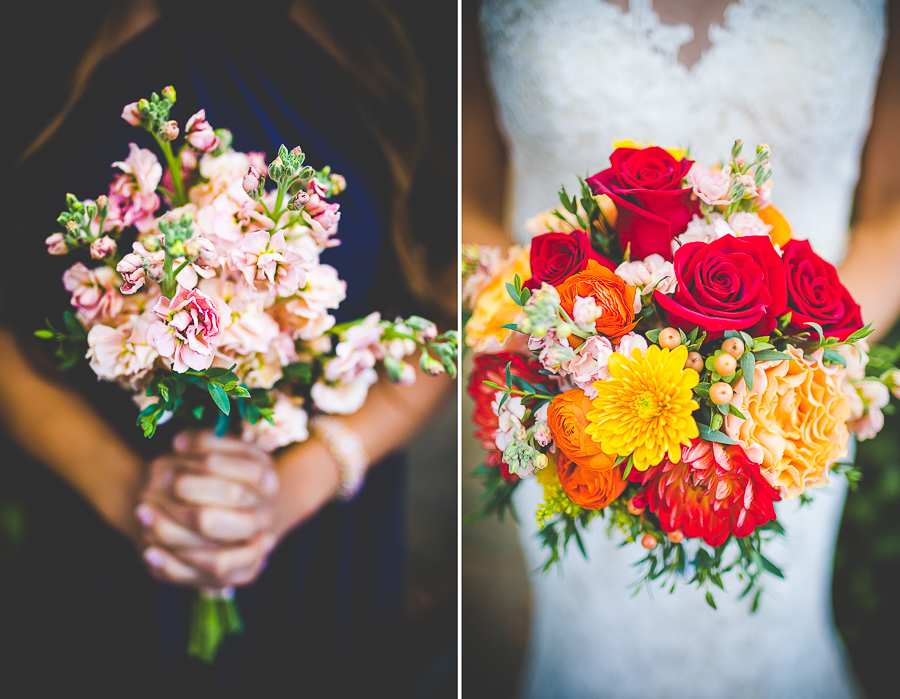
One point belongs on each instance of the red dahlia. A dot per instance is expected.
(712, 492)
(492, 367)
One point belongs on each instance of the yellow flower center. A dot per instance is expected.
(646, 405)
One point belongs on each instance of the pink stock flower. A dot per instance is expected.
(875, 396)
(103, 247)
(132, 195)
(131, 267)
(345, 398)
(590, 364)
(200, 134)
(745, 223)
(712, 188)
(290, 425)
(94, 292)
(131, 114)
(188, 329)
(651, 274)
(306, 317)
(267, 259)
(122, 352)
(631, 342)
(56, 244)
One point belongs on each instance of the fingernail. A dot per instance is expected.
(270, 483)
(181, 442)
(145, 514)
(154, 557)
(268, 543)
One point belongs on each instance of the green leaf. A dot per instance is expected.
(524, 295)
(653, 335)
(731, 333)
(220, 398)
(770, 356)
(771, 567)
(713, 435)
(702, 389)
(834, 357)
(239, 392)
(818, 329)
(755, 605)
(860, 334)
(709, 600)
(748, 364)
(46, 334)
(510, 326)
(514, 295)
(737, 413)
(198, 412)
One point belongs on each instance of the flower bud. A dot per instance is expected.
(275, 168)
(339, 184)
(188, 159)
(143, 106)
(102, 202)
(169, 93)
(299, 201)
(71, 226)
(540, 461)
(251, 181)
(521, 434)
(199, 134)
(56, 244)
(103, 247)
(430, 366)
(296, 151)
(131, 114)
(563, 331)
(151, 243)
(736, 148)
(169, 131)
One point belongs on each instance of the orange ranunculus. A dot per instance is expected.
(796, 421)
(610, 293)
(588, 488)
(781, 230)
(494, 308)
(567, 419)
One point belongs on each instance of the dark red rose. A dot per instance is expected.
(557, 256)
(492, 367)
(653, 207)
(815, 294)
(729, 284)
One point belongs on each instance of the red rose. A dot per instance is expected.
(815, 294)
(492, 367)
(652, 205)
(557, 256)
(729, 284)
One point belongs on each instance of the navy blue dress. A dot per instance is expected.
(78, 607)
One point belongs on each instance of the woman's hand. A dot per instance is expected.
(208, 510)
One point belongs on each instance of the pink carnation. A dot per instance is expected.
(590, 364)
(188, 329)
(103, 247)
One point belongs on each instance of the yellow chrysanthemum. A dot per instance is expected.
(645, 408)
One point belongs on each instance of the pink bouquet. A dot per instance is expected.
(219, 300)
(665, 355)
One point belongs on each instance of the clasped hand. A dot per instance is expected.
(207, 512)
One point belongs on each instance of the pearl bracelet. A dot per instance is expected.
(346, 449)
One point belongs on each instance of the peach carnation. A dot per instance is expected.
(795, 425)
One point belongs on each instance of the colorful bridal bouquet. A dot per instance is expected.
(207, 297)
(666, 356)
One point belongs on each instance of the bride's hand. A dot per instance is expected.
(207, 511)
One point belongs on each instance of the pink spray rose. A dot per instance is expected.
(711, 187)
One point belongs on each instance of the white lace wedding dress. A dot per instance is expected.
(572, 76)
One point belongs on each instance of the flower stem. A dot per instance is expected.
(175, 169)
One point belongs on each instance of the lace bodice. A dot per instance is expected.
(572, 76)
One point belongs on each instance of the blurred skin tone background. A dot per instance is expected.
(496, 598)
